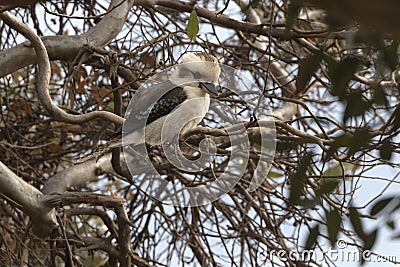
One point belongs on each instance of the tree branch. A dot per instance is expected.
(66, 47)
(44, 77)
(30, 200)
(77, 175)
(231, 23)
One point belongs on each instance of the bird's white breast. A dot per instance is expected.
(197, 105)
(185, 117)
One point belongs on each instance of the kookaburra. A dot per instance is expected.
(185, 103)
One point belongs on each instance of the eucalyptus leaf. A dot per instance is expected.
(193, 26)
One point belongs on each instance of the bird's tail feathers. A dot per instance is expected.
(101, 149)
(136, 137)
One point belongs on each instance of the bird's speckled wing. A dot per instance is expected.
(155, 102)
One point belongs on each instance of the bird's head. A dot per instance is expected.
(200, 68)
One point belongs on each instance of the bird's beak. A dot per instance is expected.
(210, 87)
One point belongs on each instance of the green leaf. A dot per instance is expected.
(356, 106)
(341, 73)
(333, 222)
(335, 170)
(284, 145)
(273, 174)
(343, 140)
(369, 240)
(390, 55)
(386, 149)
(312, 237)
(360, 139)
(291, 15)
(356, 222)
(327, 186)
(193, 26)
(380, 205)
(309, 203)
(307, 67)
(297, 179)
(379, 95)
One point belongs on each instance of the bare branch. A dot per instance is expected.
(77, 175)
(66, 47)
(29, 199)
(44, 77)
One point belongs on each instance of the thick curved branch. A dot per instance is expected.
(66, 47)
(77, 175)
(29, 199)
(44, 77)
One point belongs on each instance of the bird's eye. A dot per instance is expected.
(197, 75)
